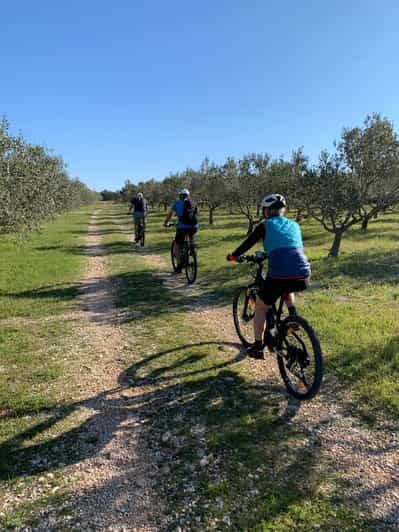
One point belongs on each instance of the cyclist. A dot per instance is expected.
(139, 206)
(289, 269)
(187, 214)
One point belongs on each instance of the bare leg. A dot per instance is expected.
(260, 319)
(178, 252)
(289, 300)
(136, 228)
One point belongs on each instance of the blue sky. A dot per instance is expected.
(136, 89)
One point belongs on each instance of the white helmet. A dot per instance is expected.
(276, 201)
(139, 194)
(184, 192)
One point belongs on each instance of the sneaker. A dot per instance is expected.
(254, 351)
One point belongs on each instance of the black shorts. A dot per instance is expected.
(181, 233)
(272, 289)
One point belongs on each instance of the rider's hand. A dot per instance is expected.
(231, 258)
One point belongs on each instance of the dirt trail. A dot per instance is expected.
(368, 459)
(112, 486)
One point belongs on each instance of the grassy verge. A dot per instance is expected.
(38, 284)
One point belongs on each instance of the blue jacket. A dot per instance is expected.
(283, 244)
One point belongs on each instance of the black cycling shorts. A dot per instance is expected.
(181, 233)
(272, 289)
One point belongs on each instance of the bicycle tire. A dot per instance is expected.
(175, 264)
(245, 332)
(190, 265)
(142, 238)
(283, 360)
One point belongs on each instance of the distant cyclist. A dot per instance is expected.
(187, 212)
(289, 269)
(139, 206)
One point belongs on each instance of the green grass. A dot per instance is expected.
(37, 274)
(38, 283)
(32, 514)
(38, 280)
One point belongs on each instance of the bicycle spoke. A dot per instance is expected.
(300, 362)
(242, 317)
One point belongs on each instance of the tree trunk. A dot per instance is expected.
(211, 209)
(365, 224)
(334, 251)
(250, 225)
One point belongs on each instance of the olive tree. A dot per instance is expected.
(371, 156)
(34, 183)
(248, 181)
(332, 197)
(209, 186)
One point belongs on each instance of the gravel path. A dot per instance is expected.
(112, 487)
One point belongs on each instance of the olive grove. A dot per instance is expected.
(34, 184)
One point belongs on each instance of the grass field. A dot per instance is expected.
(37, 286)
(263, 472)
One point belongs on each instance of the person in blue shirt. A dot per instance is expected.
(289, 269)
(186, 212)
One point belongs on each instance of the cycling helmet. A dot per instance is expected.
(184, 192)
(139, 194)
(273, 201)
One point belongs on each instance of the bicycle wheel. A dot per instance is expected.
(142, 237)
(243, 314)
(175, 262)
(190, 264)
(300, 359)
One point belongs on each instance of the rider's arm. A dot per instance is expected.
(259, 233)
(169, 216)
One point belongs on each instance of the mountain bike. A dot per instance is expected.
(291, 338)
(188, 258)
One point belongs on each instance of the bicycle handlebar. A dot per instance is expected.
(258, 258)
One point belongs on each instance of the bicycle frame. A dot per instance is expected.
(257, 284)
